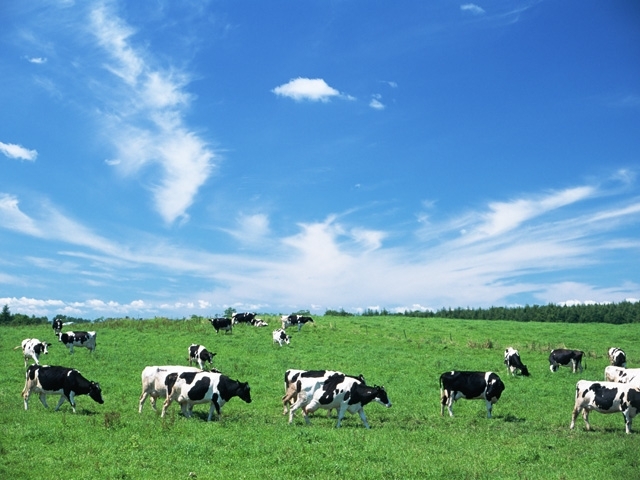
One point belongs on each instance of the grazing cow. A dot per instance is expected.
(617, 357)
(564, 357)
(291, 384)
(192, 388)
(57, 326)
(33, 348)
(66, 382)
(299, 320)
(200, 355)
(513, 362)
(153, 382)
(243, 317)
(280, 337)
(470, 385)
(606, 397)
(621, 374)
(346, 394)
(221, 324)
(78, 339)
(258, 322)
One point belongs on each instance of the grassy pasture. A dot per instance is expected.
(527, 438)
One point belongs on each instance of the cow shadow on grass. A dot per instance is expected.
(513, 419)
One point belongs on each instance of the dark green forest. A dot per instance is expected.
(615, 313)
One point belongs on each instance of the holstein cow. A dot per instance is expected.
(564, 357)
(221, 324)
(280, 337)
(78, 339)
(293, 379)
(621, 374)
(299, 320)
(606, 397)
(513, 362)
(470, 385)
(154, 382)
(57, 326)
(200, 355)
(346, 394)
(258, 322)
(192, 388)
(66, 382)
(243, 317)
(617, 357)
(33, 348)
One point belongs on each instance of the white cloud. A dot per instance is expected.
(312, 89)
(472, 8)
(12, 150)
(375, 103)
(37, 60)
(148, 126)
(251, 229)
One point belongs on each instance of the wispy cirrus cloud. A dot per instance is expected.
(13, 150)
(147, 125)
(472, 8)
(311, 89)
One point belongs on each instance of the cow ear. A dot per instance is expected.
(48, 344)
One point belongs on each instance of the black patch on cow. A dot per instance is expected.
(603, 396)
(193, 350)
(200, 388)
(633, 398)
(330, 388)
(313, 374)
(170, 381)
(216, 404)
(64, 338)
(38, 348)
(187, 376)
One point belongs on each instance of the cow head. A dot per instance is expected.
(381, 396)
(495, 387)
(244, 391)
(95, 392)
(525, 371)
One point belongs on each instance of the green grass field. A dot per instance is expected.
(528, 437)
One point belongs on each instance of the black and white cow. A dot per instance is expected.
(66, 382)
(345, 394)
(57, 326)
(513, 362)
(200, 355)
(617, 357)
(192, 388)
(280, 337)
(78, 339)
(470, 385)
(606, 397)
(243, 317)
(221, 324)
(293, 383)
(154, 382)
(565, 357)
(33, 348)
(293, 319)
(621, 374)
(258, 322)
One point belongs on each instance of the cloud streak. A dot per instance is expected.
(12, 150)
(311, 89)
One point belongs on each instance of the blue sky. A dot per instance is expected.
(174, 158)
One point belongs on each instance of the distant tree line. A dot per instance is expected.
(615, 313)
(8, 318)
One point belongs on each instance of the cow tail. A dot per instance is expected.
(19, 346)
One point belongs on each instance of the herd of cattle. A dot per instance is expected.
(311, 390)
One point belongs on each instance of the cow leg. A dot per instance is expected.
(363, 417)
(43, 400)
(165, 405)
(60, 402)
(186, 412)
(627, 420)
(489, 408)
(443, 402)
(214, 405)
(585, 415)
(341, 412)
(72, 401)
(143, 397)
(574, 415)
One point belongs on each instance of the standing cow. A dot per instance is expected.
(293, 319)
(280, 337)
(346, 394)
(470, 385)
(52, 380)
(192, 388)
(33, 348)
(154, 383)
(57, 326)
(606, 397)
(617, 357)
(200, 355)
(565, 357)
(513, 362)
(78, 339)
(245, 317)
(221, 324)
